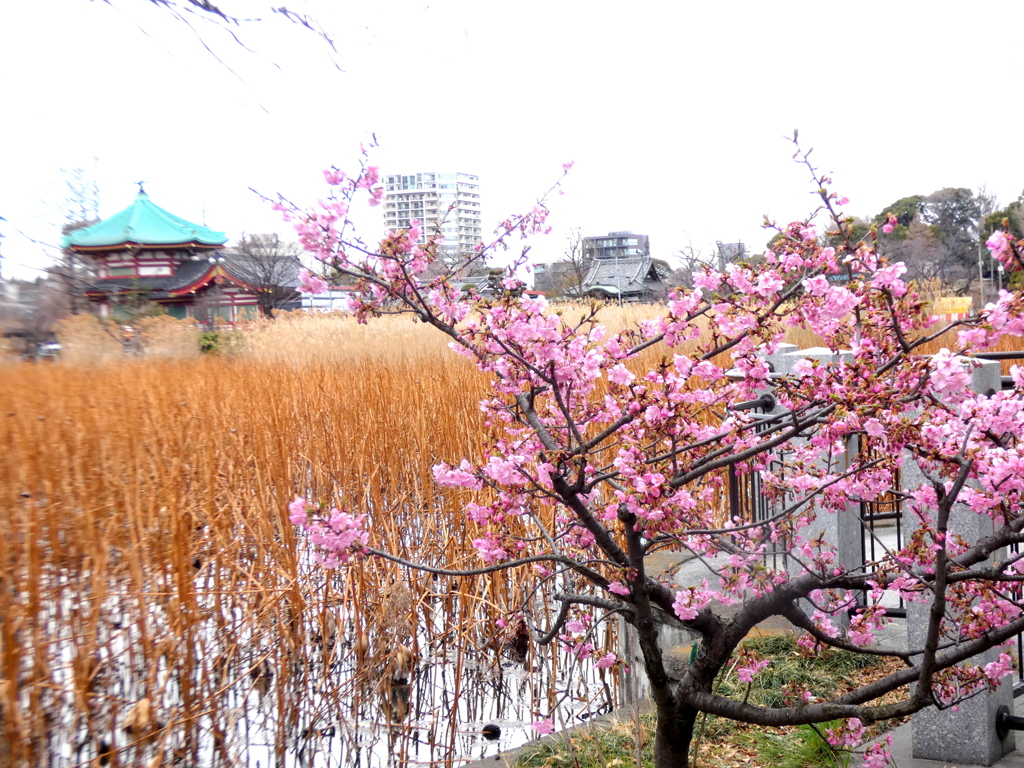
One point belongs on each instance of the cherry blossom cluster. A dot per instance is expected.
(599, 454)
(337, 536)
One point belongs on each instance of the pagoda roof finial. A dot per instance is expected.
(141, 190)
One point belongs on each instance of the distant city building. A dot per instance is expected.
(730, 253)
(630, 278)
(450, 201)
(616, 245)
(617, 266)
(620, 267)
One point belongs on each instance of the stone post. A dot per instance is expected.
(841, 529)
(967, 734)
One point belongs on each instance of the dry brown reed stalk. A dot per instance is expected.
(614, 317)
(299, 338)
(930, 290)
(86, 340)
(164, 336)
(146, 553)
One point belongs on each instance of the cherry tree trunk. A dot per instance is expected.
(673, 736)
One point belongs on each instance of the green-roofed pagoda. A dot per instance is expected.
(147, 252)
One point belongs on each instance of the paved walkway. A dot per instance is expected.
(902, 751)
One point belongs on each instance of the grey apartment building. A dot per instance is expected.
(449, 201)
(616, 245)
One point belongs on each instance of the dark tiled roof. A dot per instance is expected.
(157, 287)
(625, 275)
(249, 271)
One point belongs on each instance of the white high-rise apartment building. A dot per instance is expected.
(450, 201)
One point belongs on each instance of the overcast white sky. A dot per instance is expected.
(673, 111)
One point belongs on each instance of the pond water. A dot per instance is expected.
(233, 690)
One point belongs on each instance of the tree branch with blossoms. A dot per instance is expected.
(608, 445)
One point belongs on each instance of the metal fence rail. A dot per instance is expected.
(884, 512)
(746, 500)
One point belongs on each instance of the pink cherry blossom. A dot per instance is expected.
(691, 601)
(748, 672)
(618, 588)
(297, 514)
(607, 661)
(877, 755)
(850, 734)
(803, 367)
(709, 281)
(489, 549)
(997, 670)
(334, 177)
(619, 374)
(544, 726)
(948, 377)
(768, 284)
(888, 278)
(998, 243)
(336, 535)
(874, 428)
(310, 283)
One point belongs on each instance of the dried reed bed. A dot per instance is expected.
(168, 337)
(154, 603)
(87, 340)
(301, 338)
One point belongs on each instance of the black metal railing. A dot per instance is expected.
(746, 500)
(885, 512)
(1016, 594)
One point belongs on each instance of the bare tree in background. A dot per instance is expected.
(573, 266)
(693, 260)
(80, 209)
(30, 311)
(565, 277)
(270, 266)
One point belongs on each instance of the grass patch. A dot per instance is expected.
(614, 744)
(804, 746)
(725, 743)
